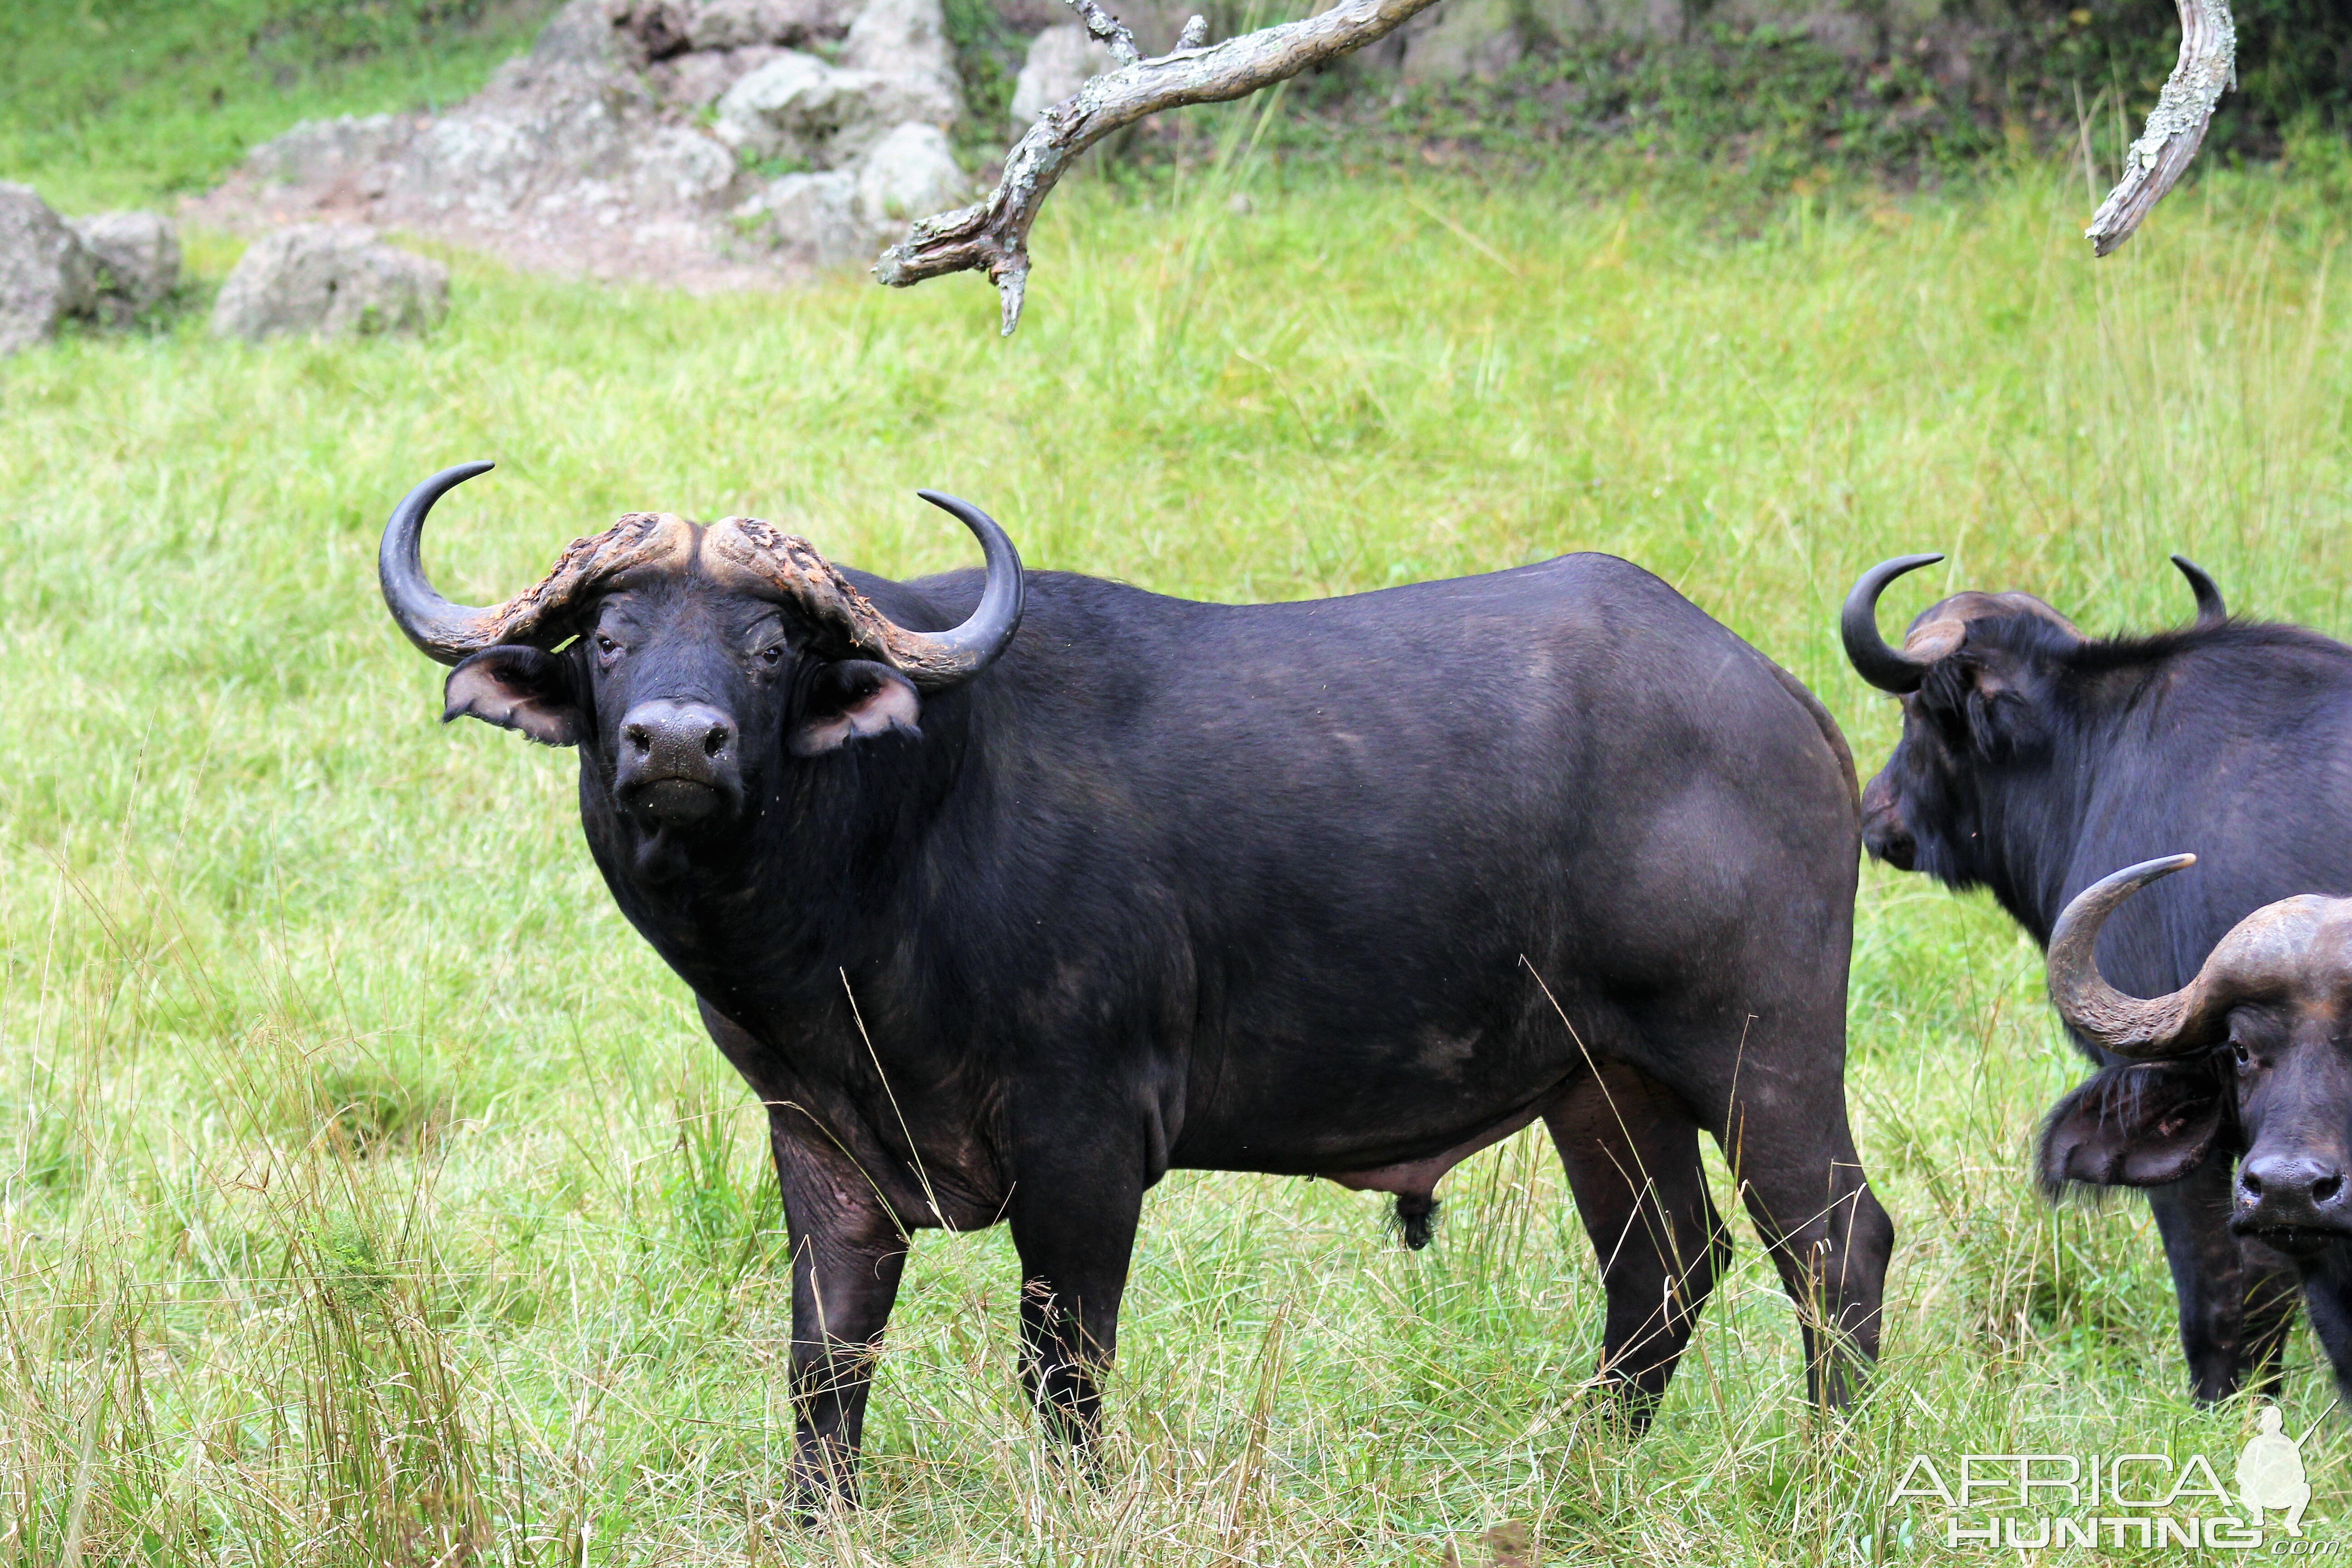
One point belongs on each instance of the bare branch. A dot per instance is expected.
(1107, 30)
(993, 237)
(2207, 66)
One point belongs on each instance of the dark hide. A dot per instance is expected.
(2034, 763)
(1271, 888)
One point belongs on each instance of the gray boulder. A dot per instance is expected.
(1061, 60)
(333, 280)
(905, 42)
(733, 24)
(46, 274)
(910, 174)
(811, 219)
(135, 258)
(801, 109)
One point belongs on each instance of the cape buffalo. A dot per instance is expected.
(2250, 1059)
(1010, 893)
(2036, 760)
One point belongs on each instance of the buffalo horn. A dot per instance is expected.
(444, 631)
(1886, 668)
(938, 659)
(2210, 610)
(846, 622)
(2127, 1027)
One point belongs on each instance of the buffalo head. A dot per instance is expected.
(690, 662)
(2256, 1052)
(1978, 674)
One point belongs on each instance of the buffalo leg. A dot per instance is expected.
(1793, 1158)
(2328, 1290)
(1631, 1155)
(848, 1253)
(1075, 1232)
(2234, 1312)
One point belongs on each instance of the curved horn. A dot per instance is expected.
(1882, 667)
(443, 631)
(2210, 610)
(2127, 1026)
(847, 624)
(936, 660)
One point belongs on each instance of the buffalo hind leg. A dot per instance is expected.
(1794, 1161)
(1074, 1229)
(1631, 1155)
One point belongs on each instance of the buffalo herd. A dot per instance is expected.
(1007, 893)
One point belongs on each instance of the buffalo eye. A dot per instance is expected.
(773, 656)
(607, 646)
(2246, 1057)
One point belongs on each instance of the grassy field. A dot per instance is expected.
(368, 1194)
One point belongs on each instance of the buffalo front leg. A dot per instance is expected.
(848, 1253)
(1074, 1228)
(2236, 1305)
(1631, 1155)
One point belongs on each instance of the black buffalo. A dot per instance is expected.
(2252, 1057)
(2036, 760)
(1010, 894)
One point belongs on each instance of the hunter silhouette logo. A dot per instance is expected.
(2270, 1473)
(2012, 1502)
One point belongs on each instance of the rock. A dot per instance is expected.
(1061, 60)
(323, 152)
(136, 257)
(810, 218)
(702, 77)
(590, 156)
(905, 42)
(800, 109)
(912, 174)
(588, 35)
(46, 275)
(332, 279)
(1463, 40)
(733, 24)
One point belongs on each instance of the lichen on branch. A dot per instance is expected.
(2176, 127)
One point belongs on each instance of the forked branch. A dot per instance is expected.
(993, 237)
(2208, 66)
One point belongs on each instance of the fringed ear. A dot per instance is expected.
(852, 699)
(518, 688)
(2142, 1125)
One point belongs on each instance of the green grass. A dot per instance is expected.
(368, 1194)
(125, 102)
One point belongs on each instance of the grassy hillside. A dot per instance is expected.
(120, 102)
(367, 1195)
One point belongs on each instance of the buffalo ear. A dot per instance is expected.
(2138, 1126)
(854, 698)
(518, 689)
(1990, 698)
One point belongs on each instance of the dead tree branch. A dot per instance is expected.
(2207, 66)
(993, 237)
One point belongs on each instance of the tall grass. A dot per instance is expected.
(367, 1194)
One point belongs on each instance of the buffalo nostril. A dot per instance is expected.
(2251, 1183)
(715, 742)
(2324, 1189)
(639, 737)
